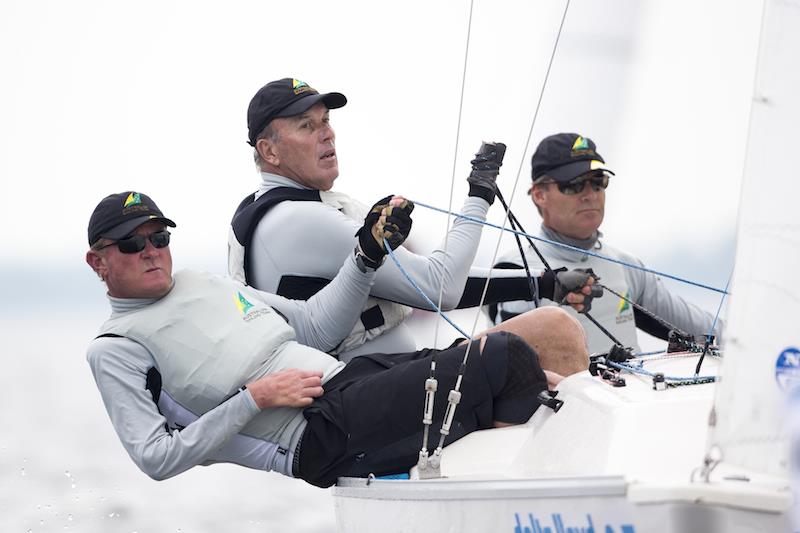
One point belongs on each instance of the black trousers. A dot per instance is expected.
(369, 420)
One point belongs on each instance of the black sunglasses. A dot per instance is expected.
(576, 186)
(136, 243)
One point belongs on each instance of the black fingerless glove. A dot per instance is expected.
(485, 168)
(395, 227)
(573, 281)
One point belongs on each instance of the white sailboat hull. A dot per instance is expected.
(579, 504)
(612, 459)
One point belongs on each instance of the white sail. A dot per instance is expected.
(762, 330)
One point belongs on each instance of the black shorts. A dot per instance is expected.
(369, 420)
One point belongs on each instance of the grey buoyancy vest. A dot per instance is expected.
(615, 314)
(208, 337)
(377, 317)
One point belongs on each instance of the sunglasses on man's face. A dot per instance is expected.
(576, 186)
(136, 243)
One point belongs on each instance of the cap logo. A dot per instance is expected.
(133, 205)
(300, 87)
(133, 199)
(581, 147)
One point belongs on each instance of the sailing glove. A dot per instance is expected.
(383, 221)
(485, 168)
(573, 281)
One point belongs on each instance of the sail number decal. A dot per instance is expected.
(787, 369)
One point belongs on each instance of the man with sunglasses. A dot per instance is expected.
(290, 131)
(569, 191)
(195, 369)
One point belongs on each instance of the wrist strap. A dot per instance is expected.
(364, 262)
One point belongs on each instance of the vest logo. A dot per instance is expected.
(242, 304)
(248, 310)
(623, 306)
(133, 199)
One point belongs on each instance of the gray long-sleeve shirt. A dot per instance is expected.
(644, 288)
(152, 439)
(327, 235)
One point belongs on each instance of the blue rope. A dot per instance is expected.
(638, 370)
(434, 307)
(654, 352)
(719, 308)
(567, 246)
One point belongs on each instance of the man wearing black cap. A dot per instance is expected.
(290, 131)
(569, 190)
(196, 369)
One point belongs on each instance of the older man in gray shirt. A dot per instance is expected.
(196, 369)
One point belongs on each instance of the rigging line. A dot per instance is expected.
(709, 335)
(522, 159)
(434, 307)
(512, 217)
(512, 220)
(679, 379)
(431, 383)
(581, 250)
(453, 176)
(455, 394)
(652, 315)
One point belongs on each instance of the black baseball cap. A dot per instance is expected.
(117, 215)
(286, 97)
(565, 156)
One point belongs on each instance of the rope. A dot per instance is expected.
(431, 383)
(508, 214)
(709, 336)
(434, 307)
(453, 175)
(581, 250)
(454, 396)
(643, 310)
(676, 379)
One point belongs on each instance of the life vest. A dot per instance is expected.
(377, 317)
(209, 336)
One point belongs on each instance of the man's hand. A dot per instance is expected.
(287, 388)
(485, 168)
(577, 288)
(389, 218)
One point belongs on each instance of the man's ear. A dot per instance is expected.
(97, 263)
(268, 151)
(538, 195)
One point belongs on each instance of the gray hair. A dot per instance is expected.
(99, 243)
(269, 133)
(542, 180)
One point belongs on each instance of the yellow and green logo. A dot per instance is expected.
(241, 303)
(580, 144)
(297, 84)
(623, 303)
(132, 199)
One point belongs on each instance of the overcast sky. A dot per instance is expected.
(100, 97)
